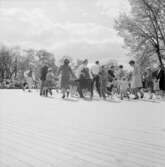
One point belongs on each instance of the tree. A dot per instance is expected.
(8, 63)
(144, 29)
(15, 61)
(45, 57)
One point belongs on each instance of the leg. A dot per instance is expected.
(41, 88)
(79, 89)
(98, 85)
(121, 95)
(63, 92)
(135, 91)
(67, 92)
(103, 89)
(92, 86)
(141, 92)
(50, 91)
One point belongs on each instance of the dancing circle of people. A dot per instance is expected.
(107, 81)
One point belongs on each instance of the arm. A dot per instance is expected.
(113, 75)
(74, 76)
(59, 71)
(159, 75)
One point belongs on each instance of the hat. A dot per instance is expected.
(97, 62)
(49, 69)
(66, 61)
(132, 62)
(85, 61)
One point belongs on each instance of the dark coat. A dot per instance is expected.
(85, 74)
(43, 73)
(85, 80)
(111, 75)
(161, 77)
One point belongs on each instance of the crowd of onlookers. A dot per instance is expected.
(108, 81)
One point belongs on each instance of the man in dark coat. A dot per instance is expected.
(161, 77)
(43, 73)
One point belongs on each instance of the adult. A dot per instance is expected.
(149, 82)
(84, 78)
(161, 77)
(66, 72)
(43, 73)
(136, 83)
(95, 71)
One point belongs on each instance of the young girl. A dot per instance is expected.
(149, 83)
(49, 82)
(124, 86)
(156, 87)
(116, 86)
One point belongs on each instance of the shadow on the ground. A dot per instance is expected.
(150, 100)
(90, 100)
(71, 100)
(112, 101)
(48, 97)
(130, 100)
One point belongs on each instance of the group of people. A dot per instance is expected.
(107, 81)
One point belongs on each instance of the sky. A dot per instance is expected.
(77, 28)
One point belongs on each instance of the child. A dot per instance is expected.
(124, 86)
(49, 82)
(156, 87)
(116, 85)
(149, 83)
(103, 82)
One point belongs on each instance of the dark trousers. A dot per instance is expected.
(79, 89)
(41, 87)
(96, 80)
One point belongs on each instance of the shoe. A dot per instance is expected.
(67, 94)
(63, 96)
(136, 98)
(104, 98)
(50, 91)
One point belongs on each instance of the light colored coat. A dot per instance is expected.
(136, 78)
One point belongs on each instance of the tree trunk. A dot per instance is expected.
(159, 56)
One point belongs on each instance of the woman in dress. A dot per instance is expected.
(136, 84)
(66, 73)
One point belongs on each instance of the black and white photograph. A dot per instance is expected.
(82, 83)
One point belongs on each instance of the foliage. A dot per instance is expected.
(143, 30)
(14, 62)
